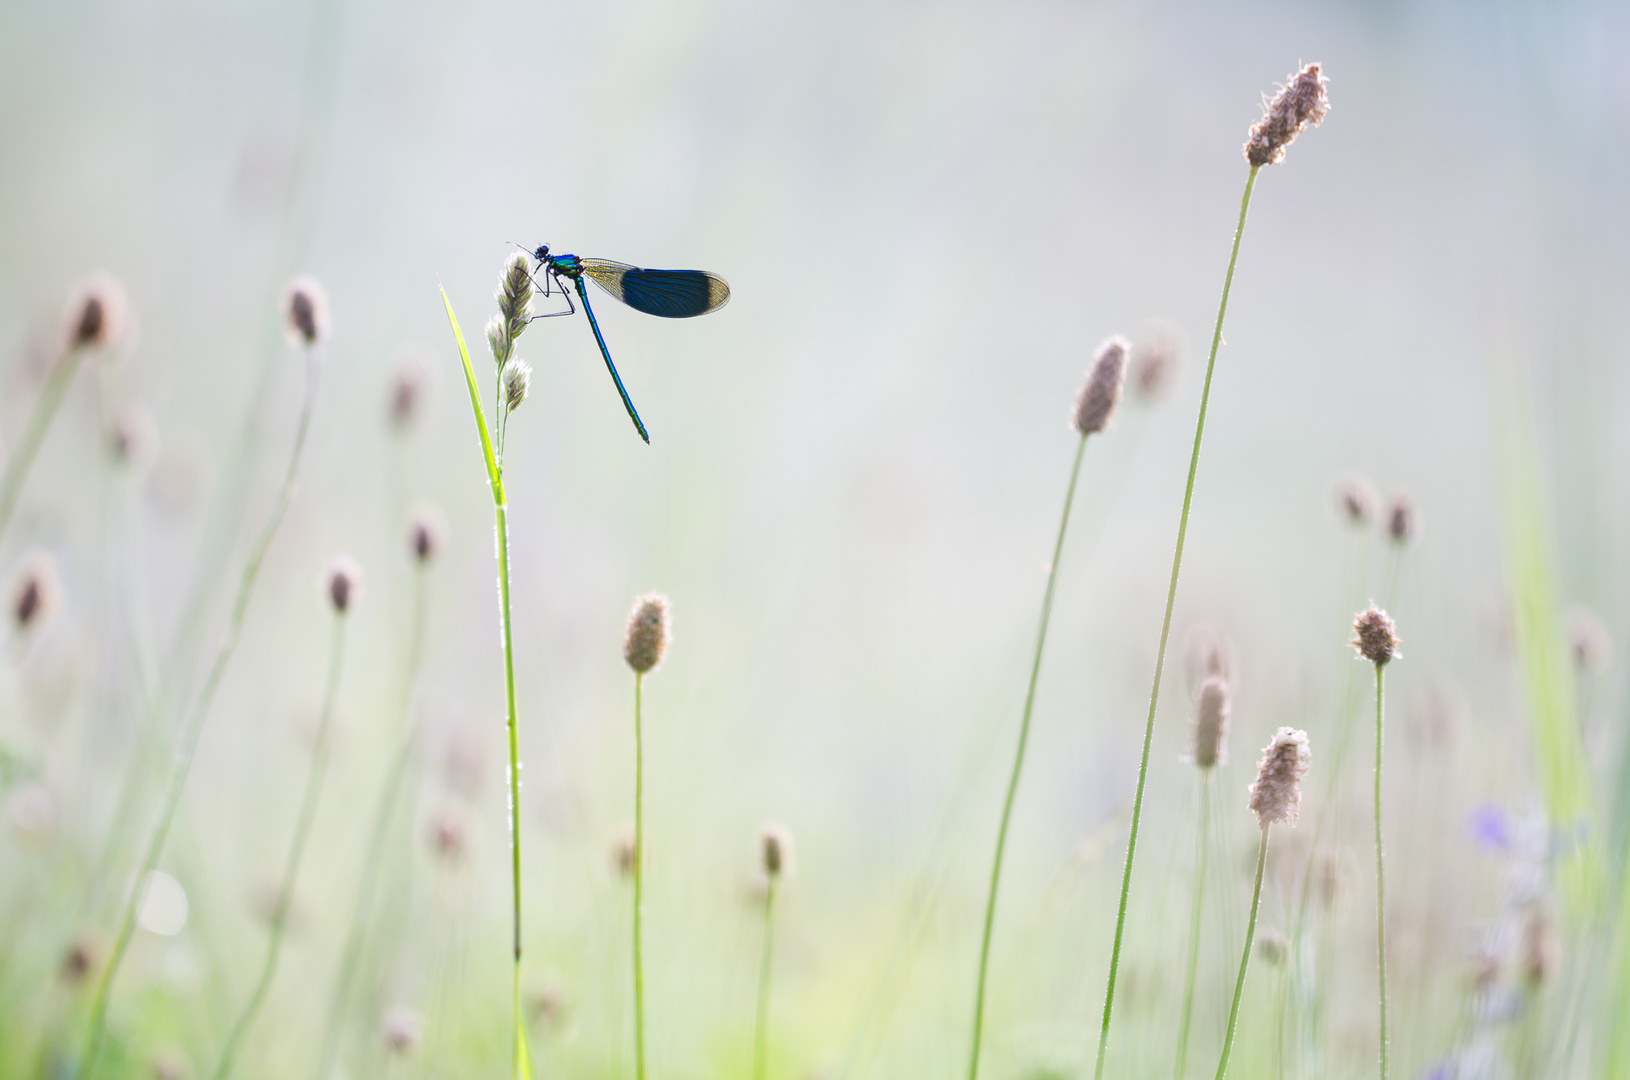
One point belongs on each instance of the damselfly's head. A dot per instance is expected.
(542, 253)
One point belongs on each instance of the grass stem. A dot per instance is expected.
(1194, 927)
(39, 422)
(761, 1016)
(181, 764)
(1166, 627)
(374, 855)
(291, 869)
(1380, 876)
(639, 881)
(1245, 956)
(1018, 766)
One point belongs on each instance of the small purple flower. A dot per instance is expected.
(1443, 1070)
(1489, 828)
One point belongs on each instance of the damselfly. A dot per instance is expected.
(672, 294)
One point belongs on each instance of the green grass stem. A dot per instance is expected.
(1245, 956)
(1018, 766)
(374, 855)
(291, 868)
(639, 881)
(187, 746)
(495, 480)
(761, 1014)
(1166, 628)
(1197, 908)
(1380, 875)
(39, 422)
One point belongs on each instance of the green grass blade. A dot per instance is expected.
(493, 476)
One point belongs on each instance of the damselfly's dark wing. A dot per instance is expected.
(673, 294)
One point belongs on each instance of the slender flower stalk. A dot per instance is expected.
(1094, 407)
(423, 542)
(95, 320)
(511, 301)
(776, 844)
(645, 642)
(343, 587)
(1301, 102)
(1210, 749)
(310, 316)
(1276, 799)
(1375, 640)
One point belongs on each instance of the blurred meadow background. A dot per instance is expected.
(930, 215)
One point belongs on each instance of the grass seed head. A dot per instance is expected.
(1273, 947)
(517, 380)
(645, 639)
(407, 392)
(1211, 723)
(1539, 947)
(1374, 637)
(1101, 392)
(35, 593)
(305, 312)
(1156, 356)
(514, 294)
(1299, 102)
(1400, 519)
(132, 436)
(622, 851)
(498, 339)
(1589, 641)
(775, 844)
(1355, 500)
(425, 532)
(97, 314)
(343, 583)
(1276, 796)
(79, 961)
(402, 1029)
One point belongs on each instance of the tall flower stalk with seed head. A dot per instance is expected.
(1299, 103)
(343, 586)
(305, 317)
(95, 321)
(514, 298)
(424, 540)
(1210, 750)
(776, 856)
(1276, 799)
(1376, 642)
(645, 642)
(1094, 406)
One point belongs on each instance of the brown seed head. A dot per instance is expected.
(343, 583)
(645, 639)
(132, 436)
(1276, 796)
(409, 383)
(97, 314)
(402, 1029)
(34, 592)
(776, 849)
(622, 851)
(1355, 499)
(1156, 356)
(305, 312)
(517, 380)
(1101, 392)
(1374, 637)
(1589, 641)
(1300, 102)
(1538, 947)
(514, 295)
(1273, 947)
(1211, 723)
(448, 836)
(425, 532)
(1400, 519)
(78, 961)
